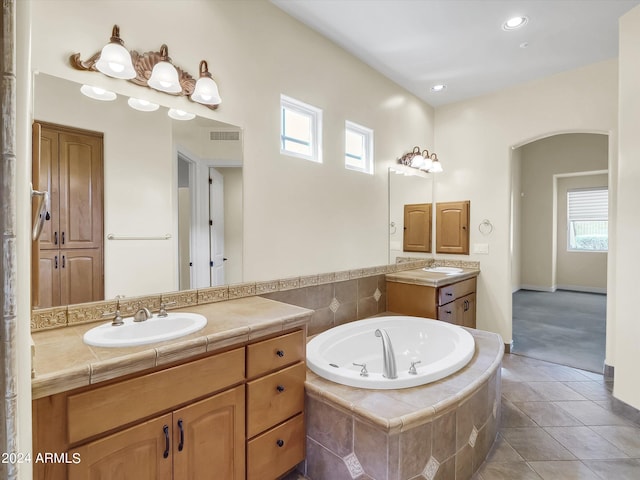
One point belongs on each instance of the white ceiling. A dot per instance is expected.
(461, 43)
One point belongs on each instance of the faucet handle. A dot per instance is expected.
(117, 319)
(163, 308)
(412, 368)
(363, 370)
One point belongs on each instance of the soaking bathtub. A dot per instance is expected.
(425, 351)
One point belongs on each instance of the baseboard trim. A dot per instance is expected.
(507, 348)
(538, 288)
(578, 288)
(608, 370)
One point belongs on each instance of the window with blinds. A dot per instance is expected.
(588, 219)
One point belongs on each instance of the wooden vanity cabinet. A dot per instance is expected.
(275, 406)
(452, 227)
(229, 416)
(454, 303)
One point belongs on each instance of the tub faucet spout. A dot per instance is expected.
(388, 356)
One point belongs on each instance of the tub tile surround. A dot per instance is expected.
(443, 430)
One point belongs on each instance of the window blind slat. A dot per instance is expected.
(588, 205)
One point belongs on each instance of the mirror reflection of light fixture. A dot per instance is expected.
(152, 69)
(178, 114)
(115, 60)
(164, 76)
(98, 93)
(142, 105)
(421, 160)
(206, 90)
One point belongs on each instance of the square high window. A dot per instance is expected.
(588, 219)
(358, 148)
(300, 129)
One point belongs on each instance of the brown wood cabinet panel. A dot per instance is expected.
(68, 163)
(48, 293)
(137, 453)
(409, 299)
(454, 291)
(274, 398)
(417, 228)
(105, 408)
(452, 227)
(208, 438)
(270, 355)
(276, 451)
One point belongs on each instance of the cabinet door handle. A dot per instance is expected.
(55, 238)
(280, 353)
(63, 260)
(55, 262)
(280, 388)
(62, 238)
(165, 429)
(181, 443)
(280, 442)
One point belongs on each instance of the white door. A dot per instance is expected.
(216, 226)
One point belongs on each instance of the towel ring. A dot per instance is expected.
(485, 227)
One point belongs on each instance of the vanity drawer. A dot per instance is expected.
(276, 451)
(274, 398)
(270, 355)
(451, 292)
(104, 408)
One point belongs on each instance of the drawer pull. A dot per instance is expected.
(181, 443)
(280, 443)
(449, 294)
(165, 429)
(280, 353)
(448, 312)
(280, 388)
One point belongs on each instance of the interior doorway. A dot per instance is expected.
(559, 288)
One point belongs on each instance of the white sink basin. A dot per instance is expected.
(156, 329)
(445, 270)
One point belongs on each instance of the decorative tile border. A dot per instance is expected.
(57, 317)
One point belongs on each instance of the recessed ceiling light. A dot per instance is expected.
(438, 88)
(514, 23)
(97, 93)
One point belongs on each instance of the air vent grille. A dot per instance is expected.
(224, 136)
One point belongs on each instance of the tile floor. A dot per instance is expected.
(559, 423)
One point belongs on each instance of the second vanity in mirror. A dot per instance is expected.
(155, 221)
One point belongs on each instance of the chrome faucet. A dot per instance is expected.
(143, 314)
(388, 357)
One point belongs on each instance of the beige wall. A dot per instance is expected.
(626, 337)
(515, 242)
(299, 217)
(233, 236)
(541, 161)
(580, 271)
(475, 139)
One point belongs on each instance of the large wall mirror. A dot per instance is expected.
(407, 186)
(172, 215)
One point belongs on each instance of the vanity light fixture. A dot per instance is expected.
(142, 105)
(206, 89)
(98, 93)
(164, 76)
(178, 114)
(421, 160)
(115, 60)
(151, 69)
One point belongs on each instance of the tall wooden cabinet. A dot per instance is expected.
(68, 257)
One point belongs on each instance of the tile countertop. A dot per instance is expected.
(62, 361)
(431, 279)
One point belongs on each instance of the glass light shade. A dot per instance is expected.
(97, 93)
(177, 114)
(417, 161)
(427, 165)
(115, 61)
(164, 77)
(142, 105)
(206, 92)
(436, 167)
